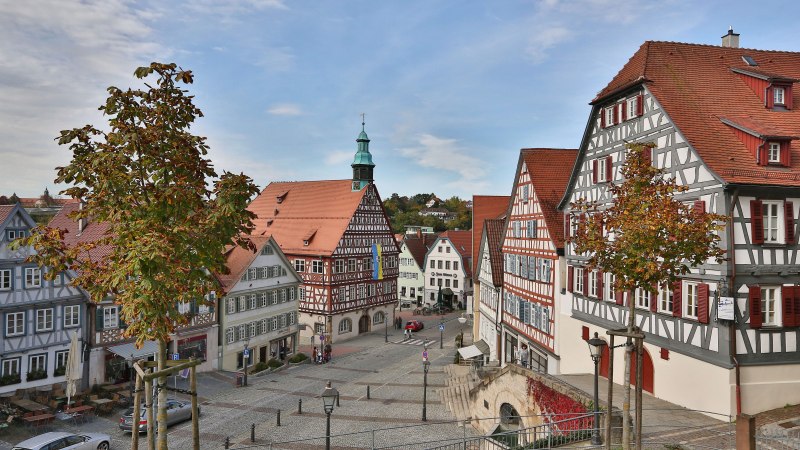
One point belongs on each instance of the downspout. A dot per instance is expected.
(732, 284)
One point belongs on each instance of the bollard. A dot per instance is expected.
(300, 406)
(367, 392)
(337, 400)
(227, 442)
(279, 418)
(253, 433)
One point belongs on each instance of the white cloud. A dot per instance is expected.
(445, 154)
(543, 40)
(285, 109)
(338, 158)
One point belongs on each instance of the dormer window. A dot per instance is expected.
(774, 153)
(779, 94)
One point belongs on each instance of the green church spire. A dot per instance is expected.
(362, 163)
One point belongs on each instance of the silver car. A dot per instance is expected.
(60, 440)
(177, 411)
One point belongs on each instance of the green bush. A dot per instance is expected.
(299, 357)
(258, 367)
(60, 370)
(274, 363)
(14, 378)
(36, 375)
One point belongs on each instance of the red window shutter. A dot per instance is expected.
(600, 291)
(796, 306)
(614, 115)
(770, 100)
(594, 171)
(756, 222)
(609, 173)
(570, 278)
(603, 118)
(664, 354)
(586, 281)
(754, 300)
(654, 299)
(788, 217)
(788, 97)
(647, 155)
(787, 306)
(677, 299)
(639, 105)
(619, 297)
(702, 303)
(623, 115)
(763, 157)
(785, 156)
(585, 333)
(699, 206)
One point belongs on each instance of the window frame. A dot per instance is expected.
(345, 326)
(592, 288)
(579, 287)
(15, 361)
(48, 316)
(18, 323)
(665, 301)
(40, 365)
(689, 300)
(631, 106)
(110, 316)
(33, 278)
(779, 232)
(774, 148)
(771, 317)
(779, 92)
(317, 266)
(6, 279)
(608, 113)
(643, 297)
(602, 169)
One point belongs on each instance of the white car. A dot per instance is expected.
(61, 440)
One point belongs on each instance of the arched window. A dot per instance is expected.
(345, 326)
(378, 317)
(508, 415)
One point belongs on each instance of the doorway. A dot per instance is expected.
(363, 324)
(647, 371)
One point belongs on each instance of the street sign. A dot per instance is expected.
(425, 355)
(322, 338)
(176, 356)
(246, 353)
(441, 327)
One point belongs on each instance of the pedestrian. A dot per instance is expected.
(328, 351)
(314, 355)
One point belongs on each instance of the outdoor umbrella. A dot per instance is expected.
(439, 301)
(74, 369)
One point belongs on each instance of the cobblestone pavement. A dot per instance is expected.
(392, 371)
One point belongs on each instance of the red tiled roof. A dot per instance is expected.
(484, 207)
(697, 87)
(462, 241)
(91, 232)
(5, 211)
(418, 246)
(327, 206)
(238, 259)
(495, 229)
(550, 170)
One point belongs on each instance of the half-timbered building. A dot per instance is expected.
(483, 207)
(448, 268)
(411, 280)
(258, 305)
(723, 122)
(532, 245)
(490, 283)
(111, 353)
(39, 316)
(338, 237)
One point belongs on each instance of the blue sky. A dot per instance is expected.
(451, 89)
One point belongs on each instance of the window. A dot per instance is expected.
(345, 326)
(368, 264)
(44, 319)
(608, 115)
(301, 293)
(455, 265)
(770, 306)
(15, 323)
(251, 301)
(525, 190)
(608, 286)
(642, 298)
(433, 264)
(267, 250)
(779, 95)
(455, 283)
(632, 107)
(37, 363)
(664, 299)
(447, 265)
(5, 279)
(242, 301)
(338, 266)
(403, 291)
(316, 266)
(299, 265)
(579, 280)
(33, 277)
(602, 169)
(433, 283)
(530, 230)
(447, 282)
(10, 366)
(593, 283)
(61, 360)
(774, 153)
(439, 264)
(440, 249)
(773, 225)
(378, 317)
(690, 307)
(110, 317)
(447, 249)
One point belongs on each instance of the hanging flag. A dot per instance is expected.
(377, 267)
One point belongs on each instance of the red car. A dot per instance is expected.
(414, 325)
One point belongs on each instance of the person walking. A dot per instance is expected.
(314, 355)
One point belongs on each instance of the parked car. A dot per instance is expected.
(177, 411)
(67, 441)
(414, 325)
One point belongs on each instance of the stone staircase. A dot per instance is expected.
(460, 381)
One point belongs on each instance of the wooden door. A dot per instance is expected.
(647, 371)
(363, 324)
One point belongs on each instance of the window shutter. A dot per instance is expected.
(615, 109)
(585, 333)
(603, 118)
(639, 105)
(788, 217)
(787, 306)
(600, 291)
(770, 100)
(784, 155)
(594, 171)
(122, 323)
(647, 155)
(677, 299)
(754, 300)
(699, 206)
(624, 113)
(654, 299)
(619, 297)
(756, 222)
(586, 281)
(570, 279)
(608, 168)
(98, 319)
(763, 157)
(796, 308)
(702, 303)
(665, 353)
(787, 100)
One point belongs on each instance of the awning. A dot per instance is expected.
(482, 346)
(469, 352)
(129, 350)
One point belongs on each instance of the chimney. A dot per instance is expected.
(419, 232)
(731, 39)
(82, 222)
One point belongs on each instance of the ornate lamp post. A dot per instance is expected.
(329, 396)
(385, 328)
(596, 350)
(245, 360)
(425, 366)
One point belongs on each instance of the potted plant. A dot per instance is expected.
(12, 378)
(37, 374)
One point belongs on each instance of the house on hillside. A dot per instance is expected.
(723, 122)
(39, 316)
(533, 249)
(411, 279)
(258, 305)
(448, 269)
(338, 237)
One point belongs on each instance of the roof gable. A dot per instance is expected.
(492, 239)
(485, 207)
(9, 212)
(239, 259)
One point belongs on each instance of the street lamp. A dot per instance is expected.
(425, 365)
(596, 350)
(441, 334)
(385, 328)
(245, 358)
(329, 396)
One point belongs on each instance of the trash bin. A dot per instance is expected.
(238, 379)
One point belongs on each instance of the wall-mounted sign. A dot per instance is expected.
(725, 310)
(441, 274)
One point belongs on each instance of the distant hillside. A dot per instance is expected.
(404, 211)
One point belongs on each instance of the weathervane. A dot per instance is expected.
(362, 121)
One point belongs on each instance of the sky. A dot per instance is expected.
(451, 89)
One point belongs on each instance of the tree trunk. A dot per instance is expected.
(162, 397)
(626, 399)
